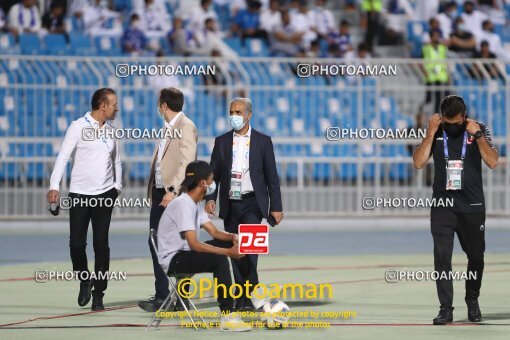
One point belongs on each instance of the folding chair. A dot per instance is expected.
(173, 296)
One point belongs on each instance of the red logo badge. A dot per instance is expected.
(253, 239)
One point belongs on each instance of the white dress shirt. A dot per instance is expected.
(96, 166)
(22, 18)
(161, 149)
(322, 20)
(241, 159)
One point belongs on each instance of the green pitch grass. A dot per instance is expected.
(402, 310)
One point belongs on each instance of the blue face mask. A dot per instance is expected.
(211, 189)
(237, 122)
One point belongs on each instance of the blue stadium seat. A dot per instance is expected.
(8, 44)
(81, 44)
(107, 46)
(30, 44)
(56, 44)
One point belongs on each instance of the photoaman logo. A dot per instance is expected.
(253, 238)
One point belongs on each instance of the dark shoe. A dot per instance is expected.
(97, 302)
(151, 305)
(85, 292)
(474, 313)
(177, 306)
(444, 317)
(244, 305)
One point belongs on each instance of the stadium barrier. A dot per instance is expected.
(322, 172)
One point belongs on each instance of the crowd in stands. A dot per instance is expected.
(287, 28)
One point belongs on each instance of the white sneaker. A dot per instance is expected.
(233, 323)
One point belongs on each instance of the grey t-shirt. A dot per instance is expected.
(182, 214)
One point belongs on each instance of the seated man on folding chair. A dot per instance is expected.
(180, 251)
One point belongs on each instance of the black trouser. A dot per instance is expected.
(372, 28)
(192, 262)
(470, 229)
(79, 217)
(245, 211)
(436, 95)
(161, 283)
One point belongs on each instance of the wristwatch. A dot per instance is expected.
(171, 189)
(478, 134)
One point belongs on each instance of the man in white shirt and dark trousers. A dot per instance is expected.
(181, 252)
(96, 175)
(245, 168)
(169, 162)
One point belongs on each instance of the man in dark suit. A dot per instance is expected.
(245, 171)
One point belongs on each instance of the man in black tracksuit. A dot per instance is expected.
(458, 145)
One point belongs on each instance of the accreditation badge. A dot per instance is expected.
(235, 185)
(454, 175)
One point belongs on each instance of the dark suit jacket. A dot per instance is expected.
(263, 173)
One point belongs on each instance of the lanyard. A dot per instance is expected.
(102, 138)
(244, 162)
(445, 143)
(32, 16)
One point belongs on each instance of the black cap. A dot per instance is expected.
(196, 171)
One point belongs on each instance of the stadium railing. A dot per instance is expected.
(41, 95)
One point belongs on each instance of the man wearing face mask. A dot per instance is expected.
(458, 145)
(181, 252)
(168, 166)
(245, 169)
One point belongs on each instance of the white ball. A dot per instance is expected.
(276, 313)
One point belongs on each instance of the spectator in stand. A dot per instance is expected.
(154, 21)
(211, 40)
(181, 39)
(163, 81)
(362, 53)
(462, 43)
(271, 17)
(139, 5)
(493, 40)
(426, 9)
(446, 18)
(53, 20)
(397, 14)
(133, 40)
(435, 69)
(199, 14)
(339, 42)
(100, 20)
(491, 68)
(434, 25)
(372, 15)
(494, 10)
(24, 18)
(2, 20)
(321, 20)
(247, 23)
(473, 18)
(286, 39)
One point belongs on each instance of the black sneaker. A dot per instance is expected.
(474, 313)
(444, 317)
(244, 304)
(97, 302)
(151, 305)
(85, 292)
(177, 306)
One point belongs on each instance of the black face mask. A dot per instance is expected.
(454, 130)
